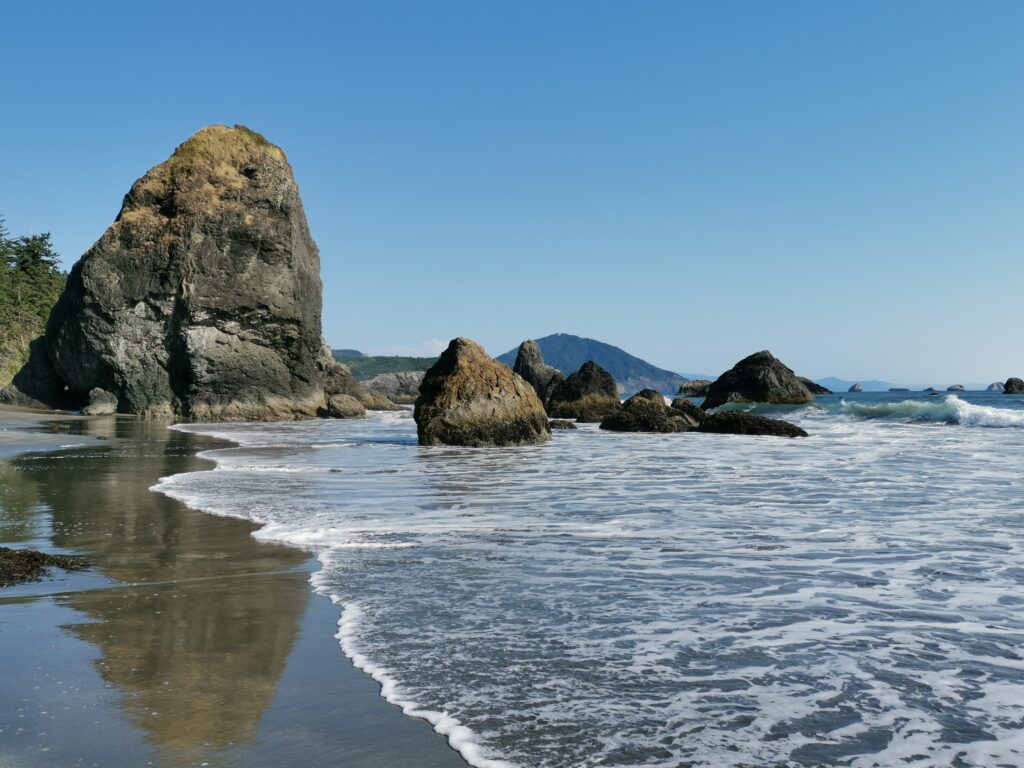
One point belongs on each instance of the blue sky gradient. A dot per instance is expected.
(842, 183)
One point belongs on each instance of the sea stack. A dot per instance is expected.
(530, 365)
(759, 378)
(202, 300)
(589, 395)
(468, 399)
(856, 388)
(1013, 386)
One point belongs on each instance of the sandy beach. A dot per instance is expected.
(187, 642)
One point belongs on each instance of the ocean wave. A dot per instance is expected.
(952, 410)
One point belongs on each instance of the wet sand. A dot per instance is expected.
(188, 643)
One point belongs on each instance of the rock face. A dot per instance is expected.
(401, 387)
(997, 386)
(759, 378)
(740, 423)
(530, 365)
(1013, 386)
(813, 387)
(202, 300)
(641, 413)
(695, 388)
(856, 388)
(588, 395)
(469, 399)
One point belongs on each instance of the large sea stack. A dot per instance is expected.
(530, 365)
(467, 398)
(1013, 386)
(202, 300)
(759, 378)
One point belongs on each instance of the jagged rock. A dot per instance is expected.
(530, 365)
(814, 387)
(589, 395)
(856, 388)
(400, 387)
(690, 411)
(997, 386)
(101, 403)
(695, 388)
(344, 407)
(202, 299)
(759, 378)
(956, 388)
(467, 398)
(1013, 386)
(644, 414)
(337, 379)
(742, 423)
(561, 424)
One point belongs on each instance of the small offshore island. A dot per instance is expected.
(529, 553)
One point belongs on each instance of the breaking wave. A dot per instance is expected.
(952, 410)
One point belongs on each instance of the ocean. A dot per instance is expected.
(853, 598)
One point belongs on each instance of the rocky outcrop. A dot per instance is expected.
(561, 424)
(101, 403)
(469, 399)
(530, 365)
(741, 423)
(759, 378)
(856, 388)
(645, 414)
(690, 411)
(400, 387)
(652, 395)
(202, 300)
(996, 386)
(695, 388)
(813, 387)
(1013, 386)
(956, 388)
(337, 379)
(589, 395)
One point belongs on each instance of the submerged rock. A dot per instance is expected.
(695, 388)
(467, 398)
(642, 413)
(21, 565)
(759, 378)
(742, 423)
(899, 389)
(1013, 386)
(530, 365)
(856, 388)
(561, 424)
(202, 300)
(589, 395)
(814, 387)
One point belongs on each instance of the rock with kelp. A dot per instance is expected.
(21, 565)
(469, 399)
(758, 378)
(643, 413)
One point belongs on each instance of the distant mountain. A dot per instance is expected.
(843, 385)
(567, 353)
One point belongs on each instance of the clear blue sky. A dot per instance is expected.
(842, 183)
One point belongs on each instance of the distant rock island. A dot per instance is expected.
(568, 353)
(202, 300)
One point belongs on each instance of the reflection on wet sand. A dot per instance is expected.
(198, 646)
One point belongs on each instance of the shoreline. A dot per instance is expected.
(190, 637)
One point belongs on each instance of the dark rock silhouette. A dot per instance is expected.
(1013, 386)
(813, 387)
(759, 378)
(856, 388)
(742, 423)
(642, 413)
